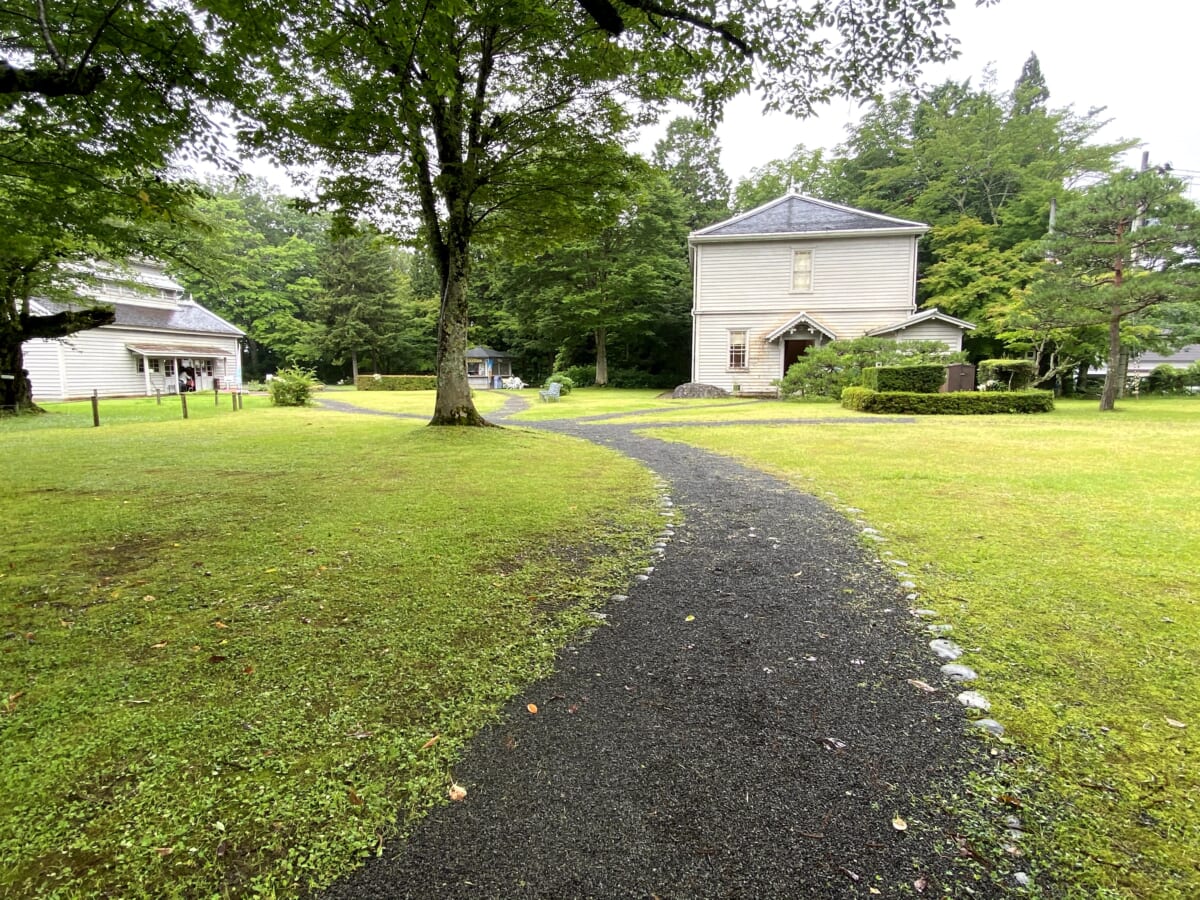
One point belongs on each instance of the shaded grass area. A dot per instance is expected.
(594, 401)
(231, 649)
(1063, 549)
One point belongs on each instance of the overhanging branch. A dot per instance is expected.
(64, 323)
(50, 82)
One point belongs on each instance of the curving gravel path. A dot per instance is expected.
(740, 726)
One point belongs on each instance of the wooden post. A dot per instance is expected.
(95, 409)
(233, 399)
(216, 395)
(183, 402)
(158, 396)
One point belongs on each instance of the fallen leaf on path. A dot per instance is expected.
(832, 743)
(429, 743)
(853, 876)
(921, 685)
(532, 707)
(689, 618)
(899, 824)
(920, 884)
(457, 792)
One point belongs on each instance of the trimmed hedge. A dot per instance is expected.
(395, 383)
(926, 378)
(959, 403)
(1016, 374)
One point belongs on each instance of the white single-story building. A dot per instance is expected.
(798, 272)
(159, 340)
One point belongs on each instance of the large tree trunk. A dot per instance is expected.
(1112, 378)
(454, 405)
(354, 366)
(16, 393)
(602, 356)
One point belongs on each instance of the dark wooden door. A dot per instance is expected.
(792, 351)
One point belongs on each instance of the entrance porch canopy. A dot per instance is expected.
(805, 321)
(180, 351)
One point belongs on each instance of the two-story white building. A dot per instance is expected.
(797, 272)
(160, 340)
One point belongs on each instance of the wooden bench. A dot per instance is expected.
(551, 394)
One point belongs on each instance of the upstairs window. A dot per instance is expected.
(802, 271)
(737, 350)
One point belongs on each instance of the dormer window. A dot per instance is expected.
(802, 271)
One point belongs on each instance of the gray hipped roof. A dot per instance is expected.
(797, 214)
(485, 353)
(185, 317)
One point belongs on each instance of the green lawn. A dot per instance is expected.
(1065, 551)
(593, 401)
(416, 402)
(232, 647)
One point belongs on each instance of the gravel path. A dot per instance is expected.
(741, 725)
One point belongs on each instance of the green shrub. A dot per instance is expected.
(257, 386)
(395, 383)
(637, 378)
(959, 403)
(1006, 374)
(1191, 375)
(926, 378)
(823, 371)
(560, 378)
(293, 387)
(583, 376)
(1166, 379)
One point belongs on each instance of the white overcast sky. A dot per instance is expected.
(1136, 59)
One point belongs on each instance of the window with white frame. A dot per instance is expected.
(802, 271)
(474, 367)
(737, 350)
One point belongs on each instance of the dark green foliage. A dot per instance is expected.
(960, 403)
(920, 379)
(1009, 374)
(825, 370)
(561, 379)
(584, 376)
(395, 382)
(638, 378)
(1166, 379)
(292, 387)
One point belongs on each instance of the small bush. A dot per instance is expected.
(256, 386)
(823, 371)
(293, 387)
(1166, 379)
(560, 378)
(921, 379)
(1013, 374)
(959, 403)
(396, 383)
(582, 376)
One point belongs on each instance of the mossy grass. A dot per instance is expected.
(1063, 550)
(232, 648)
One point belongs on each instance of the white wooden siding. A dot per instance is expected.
(864, 273)
(98, 360)
(932, 331)
(711, 360)
(43, 362)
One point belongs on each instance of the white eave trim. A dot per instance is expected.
(915, 230)
(928, 315)
(802, 319)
